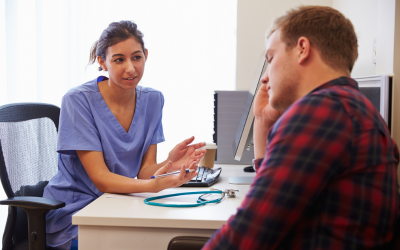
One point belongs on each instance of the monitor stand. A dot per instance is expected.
(241, 180)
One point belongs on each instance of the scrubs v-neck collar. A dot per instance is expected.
(111, 117)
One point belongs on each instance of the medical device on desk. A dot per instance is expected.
(200, 201)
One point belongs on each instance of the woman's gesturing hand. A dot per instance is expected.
(183, 154)
(174, 180)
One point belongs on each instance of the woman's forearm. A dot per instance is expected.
(114, 183)
(147, 171)
(108, 182)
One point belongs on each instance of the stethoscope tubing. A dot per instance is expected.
(200, 201)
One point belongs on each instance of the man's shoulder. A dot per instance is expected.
(339, 93)
(345, 100)
(353, 101)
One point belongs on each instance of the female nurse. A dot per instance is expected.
(108, 134)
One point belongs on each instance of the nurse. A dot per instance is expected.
(108, 134)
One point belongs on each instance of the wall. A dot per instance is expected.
(364, 16)
(371, 19)
(253, 19)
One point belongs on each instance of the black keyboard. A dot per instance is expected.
(205, 178)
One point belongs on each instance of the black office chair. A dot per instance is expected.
(187, 243)
(395, 244)
(28, 159)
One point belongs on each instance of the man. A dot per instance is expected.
(328, 177)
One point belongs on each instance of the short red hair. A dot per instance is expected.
(326, 28)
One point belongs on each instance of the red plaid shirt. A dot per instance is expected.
(328, 179)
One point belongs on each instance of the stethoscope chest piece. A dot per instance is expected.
(231, 193)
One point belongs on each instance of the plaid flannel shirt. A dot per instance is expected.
(328, 179)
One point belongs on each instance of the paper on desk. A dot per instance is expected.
(175, 200)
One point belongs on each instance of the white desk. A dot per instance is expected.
(128, 223)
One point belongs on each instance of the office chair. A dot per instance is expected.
(28, 159)
(187, 243)
(395, 244)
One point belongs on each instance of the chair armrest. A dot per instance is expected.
(32, 202)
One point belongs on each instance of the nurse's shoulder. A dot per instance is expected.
(152, 94)
(81, 95)
(90, 86)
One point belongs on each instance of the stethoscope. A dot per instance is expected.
(200, 201)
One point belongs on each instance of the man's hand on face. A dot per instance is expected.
(265, 117)
(263, 110)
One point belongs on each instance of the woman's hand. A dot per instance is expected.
(173, 180)
(183, 154)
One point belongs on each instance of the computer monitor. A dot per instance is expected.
(378, 89)
(244, 134)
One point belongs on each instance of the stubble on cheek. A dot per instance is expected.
(285, 94)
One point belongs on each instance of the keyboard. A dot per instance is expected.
(205, 178)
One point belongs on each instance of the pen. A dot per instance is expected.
(176, 172)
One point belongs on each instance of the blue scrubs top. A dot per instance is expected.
(86, 123)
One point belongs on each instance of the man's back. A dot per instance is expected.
(328, 180)
(356, 171)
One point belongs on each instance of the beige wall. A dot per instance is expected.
(253, 19)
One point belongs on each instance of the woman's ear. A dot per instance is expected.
(146, 53)
(304, 47)
(102, 63)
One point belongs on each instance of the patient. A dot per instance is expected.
(327, 179)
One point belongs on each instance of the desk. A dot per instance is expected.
(110, 223)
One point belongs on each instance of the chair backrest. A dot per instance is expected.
(28, 157)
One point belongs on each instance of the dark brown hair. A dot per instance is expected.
(116, 32)
(326, 28)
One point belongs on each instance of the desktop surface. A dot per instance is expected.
(125, 219)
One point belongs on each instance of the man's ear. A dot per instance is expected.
(304, 49)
